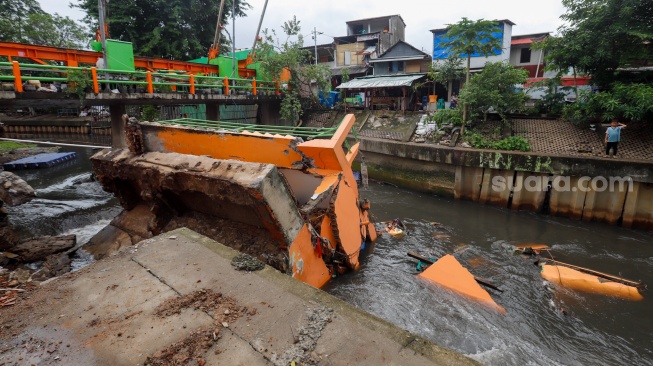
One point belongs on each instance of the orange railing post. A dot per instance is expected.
(277, 91)
(18, 81)
(192, 84)
(254, 86)
(148, 78)
(226, 85)
(96, 85)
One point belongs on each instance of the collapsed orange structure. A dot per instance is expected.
(585, 282)
(303, 193)
(448, 272)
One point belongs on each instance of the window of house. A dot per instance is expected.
(347, 58)
(395, 66)
(525, 56)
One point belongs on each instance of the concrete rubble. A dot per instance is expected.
(176, 299)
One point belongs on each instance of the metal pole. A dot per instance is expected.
(260, 22)
(234, 65)
(315, 39)
(103, 36)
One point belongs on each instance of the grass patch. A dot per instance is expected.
(10, 145)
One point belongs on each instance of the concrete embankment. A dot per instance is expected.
(592, 189)
(177, 298)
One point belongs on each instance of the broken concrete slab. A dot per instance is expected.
(105, 314)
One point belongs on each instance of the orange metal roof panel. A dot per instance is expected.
(449, 273)
(576, 280)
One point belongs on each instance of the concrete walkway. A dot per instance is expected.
(176, 299)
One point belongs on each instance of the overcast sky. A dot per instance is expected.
(329, 17)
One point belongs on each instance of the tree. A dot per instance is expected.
(277, 55)
(12, 13)
(600, 36)
(494, 89)
(468, 37)
(55, 30)
(24, 21)
(625, 102)
(446, 71)
(177, 29)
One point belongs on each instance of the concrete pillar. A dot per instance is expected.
(497, 186)
(117, 126)
(269, 113)
(468, 183)
(530, 191)
(604, 205)
(568, 197)
(213, 112)
(638, 210)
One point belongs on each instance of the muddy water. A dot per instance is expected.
(597, 330)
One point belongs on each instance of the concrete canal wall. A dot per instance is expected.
(590, 189)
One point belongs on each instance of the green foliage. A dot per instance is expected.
(626, 102)
(277, 55)
(512, 143)
(493, 89)
(445, 71)
(445, 116)
(10, 145)
(178, 29)
(469, 37)
(78, 81)
(599, 36)
(553, 100)
(24, 21)
(477, 140)
(12, 15)
(150, 113)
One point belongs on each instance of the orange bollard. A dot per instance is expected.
(148, 78)
(226, 85)
(254, 86)
(96, 86)
(18, 81)
(278, 85)
(192, 84)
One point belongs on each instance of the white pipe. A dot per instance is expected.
(56, 143)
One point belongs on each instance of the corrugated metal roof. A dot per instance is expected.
(354, 69)
(381, 81)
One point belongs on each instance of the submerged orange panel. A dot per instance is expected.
(307, 266)
(576, 280)
(449, 273)
(244, 147)
(348, 221)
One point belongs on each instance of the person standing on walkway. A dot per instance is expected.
(612, 137)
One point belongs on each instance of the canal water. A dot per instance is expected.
(596, 330)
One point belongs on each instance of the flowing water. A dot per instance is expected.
(68, 201)
(597, 330)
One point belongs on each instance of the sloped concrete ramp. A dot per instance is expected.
(121, 311)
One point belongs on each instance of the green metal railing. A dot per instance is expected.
(150, 81)
(305, 132)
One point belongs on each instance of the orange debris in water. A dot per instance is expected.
(449, 273)
(577, 280)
